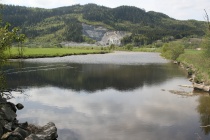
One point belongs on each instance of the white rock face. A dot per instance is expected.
(102, 35)
(112, 37)
(94, 32)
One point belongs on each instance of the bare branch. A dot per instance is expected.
(207, 18)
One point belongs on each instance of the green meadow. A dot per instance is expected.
(199, 63)
(52, 52)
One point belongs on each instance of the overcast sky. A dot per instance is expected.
(178, 9)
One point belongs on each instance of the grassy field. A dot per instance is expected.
(138, 49)
(59, 52)
(199, 64)
(147, 49)
(53, 52)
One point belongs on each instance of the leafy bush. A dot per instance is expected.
(112, 47)
(206, 44)
(129, 47)
(89, 40)
(172, 50)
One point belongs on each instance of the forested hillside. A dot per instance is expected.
(52, 26)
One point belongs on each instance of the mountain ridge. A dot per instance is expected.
(45, 25)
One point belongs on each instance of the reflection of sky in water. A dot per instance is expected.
(143, 113)
(97, 101)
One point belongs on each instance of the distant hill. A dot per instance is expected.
(53, 26)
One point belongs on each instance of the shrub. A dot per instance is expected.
(172, 50)
(112, 47)
(206, 44)
(129, 47)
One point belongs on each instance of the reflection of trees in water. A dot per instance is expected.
(2, 82)
(204, 111)
(5, 91)
(92, 77)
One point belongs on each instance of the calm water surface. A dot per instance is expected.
(116, 96)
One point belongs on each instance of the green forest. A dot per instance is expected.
(52, 26)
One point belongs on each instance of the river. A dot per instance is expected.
(116, 96)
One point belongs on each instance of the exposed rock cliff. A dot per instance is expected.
(102, 35)
(94, 32)
(112, 37)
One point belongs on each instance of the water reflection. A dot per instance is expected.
(4, 91)
(90, 77)
(204, 111)
(2, 82)
(110, 114)
(127, 99)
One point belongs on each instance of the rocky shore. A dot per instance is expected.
(12, 129)
(197, 85)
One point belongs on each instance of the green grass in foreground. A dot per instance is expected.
(198, 62)
(52, 52)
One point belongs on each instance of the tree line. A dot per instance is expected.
(146, 27)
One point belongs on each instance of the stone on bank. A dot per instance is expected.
(11, 129)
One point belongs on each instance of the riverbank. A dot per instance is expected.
(198, 68)
(52, 52)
